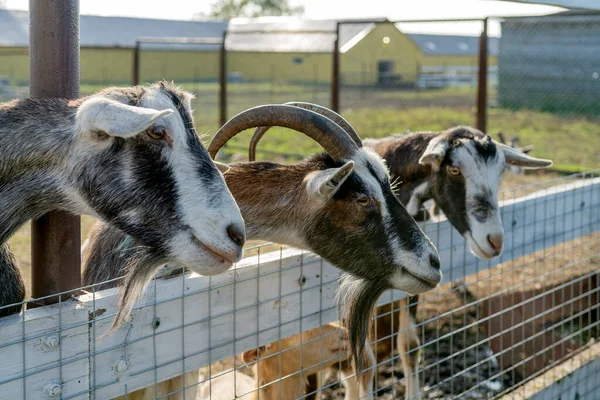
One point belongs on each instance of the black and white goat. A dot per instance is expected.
(338, 204)
(130, 157)
(460, 170)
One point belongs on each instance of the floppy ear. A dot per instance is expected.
(114, 118)
(435, 152)
(251, 356)
(222, 167)
(515, 157)
(324, 184)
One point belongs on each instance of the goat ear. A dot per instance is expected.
(222, 167)
(435, 152)
(515, 157)
(324, 184)
(114, 118)
(253, 355)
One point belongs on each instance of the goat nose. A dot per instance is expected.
(496, 240)
(236, 234)
(435, 261)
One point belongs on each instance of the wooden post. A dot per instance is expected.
(54, 72)
(136, 64)
(482, 81)
(335, 73)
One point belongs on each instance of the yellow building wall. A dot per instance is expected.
(180, 66)
(254, 66)
(359, 63)
(106, 66)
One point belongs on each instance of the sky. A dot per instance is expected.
(329, 9)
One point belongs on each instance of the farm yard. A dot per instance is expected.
(518, 323)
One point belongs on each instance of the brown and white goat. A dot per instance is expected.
(460, 170)
(338, 204)
(280, 369)
(128, 156)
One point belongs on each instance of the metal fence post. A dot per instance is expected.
(335, 73)
(54, 72)
(136, 64)
(223, 81)
(482, 81)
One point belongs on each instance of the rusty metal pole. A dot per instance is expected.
(223, 82)
(136, 64)
(482, 86)
(335, 72)
(54, 72)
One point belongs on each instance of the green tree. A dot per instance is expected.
(226, 9)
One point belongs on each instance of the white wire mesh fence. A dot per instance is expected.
(491, 327)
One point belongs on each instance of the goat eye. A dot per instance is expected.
(155, 133)
(453, 171)
(365, 201)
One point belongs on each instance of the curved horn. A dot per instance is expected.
(515, 157)
(316, 126)
(332, 115)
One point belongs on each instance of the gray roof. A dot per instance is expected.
(96, 31)
(320, 41)
(565, 17)
(453, 45)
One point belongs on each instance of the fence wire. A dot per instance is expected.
(264, 329)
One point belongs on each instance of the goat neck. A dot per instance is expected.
(279, 210)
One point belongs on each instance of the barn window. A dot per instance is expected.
(297, 60)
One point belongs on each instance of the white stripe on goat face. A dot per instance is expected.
(367, 163)
(482, 178)
(415, 261)
(208, 209)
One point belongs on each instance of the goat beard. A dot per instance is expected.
(140, 269)
(358, 298)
